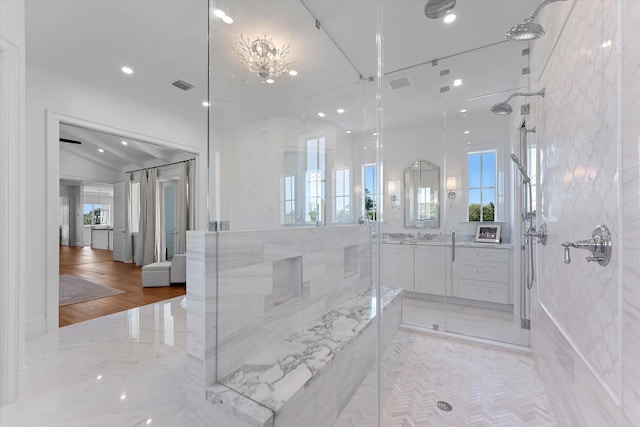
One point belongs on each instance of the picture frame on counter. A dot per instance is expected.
(488, 232)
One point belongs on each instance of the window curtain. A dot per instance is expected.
(182, 210)
(149, 233)
(128, 247)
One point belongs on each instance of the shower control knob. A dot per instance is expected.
(567, 253)
(599, 245)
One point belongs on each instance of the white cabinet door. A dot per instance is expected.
(119, 234)
(398, 266)
(430, 270)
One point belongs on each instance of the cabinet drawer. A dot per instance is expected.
(486, 271)
(484, 291)
(495, 255)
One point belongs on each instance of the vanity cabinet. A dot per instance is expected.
(483, 274)
(480, 274)
(430, 269)
(398, 266)
(416, 268)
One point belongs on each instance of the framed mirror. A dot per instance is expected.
(422, 195)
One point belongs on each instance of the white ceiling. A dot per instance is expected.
(166, 40)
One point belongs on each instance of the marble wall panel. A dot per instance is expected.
(249, 318)
(585, 337)
(631, 210)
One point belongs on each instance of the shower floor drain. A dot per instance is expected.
(444, 406)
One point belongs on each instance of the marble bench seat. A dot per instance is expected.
(308, 377)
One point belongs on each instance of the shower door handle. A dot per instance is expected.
(453, 246)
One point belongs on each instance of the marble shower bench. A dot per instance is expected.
(308, 377)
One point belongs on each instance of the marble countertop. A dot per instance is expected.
(277, 374)
(439, 240)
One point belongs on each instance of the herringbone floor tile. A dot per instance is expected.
(486, 387)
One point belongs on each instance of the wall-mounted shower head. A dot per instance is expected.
(523, 171)
(505, 108)
(435, 9)
(529, 30)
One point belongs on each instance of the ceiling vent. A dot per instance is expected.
(181, 84)
(399, 82)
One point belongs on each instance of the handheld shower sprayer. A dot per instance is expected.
(521, 167)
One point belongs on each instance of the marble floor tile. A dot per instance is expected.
(125, 369)
(485, 387)
(128, 369)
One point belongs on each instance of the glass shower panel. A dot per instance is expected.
(292, 130)
(485, 290)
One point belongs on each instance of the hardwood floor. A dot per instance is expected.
(98, 266)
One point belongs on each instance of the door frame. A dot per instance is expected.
(52, 126)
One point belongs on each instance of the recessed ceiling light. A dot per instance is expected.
(99, 377)
(227, 20)
(457, 82)
(127, 70)
(340, 110)
(125, 143)
(464, 110)
(123, 396)
(466, 132)
(321, 114)
(219, 13)
(449, 18)
(101, 150)
(149, 421)
(606, 43)
(270, 81)
(205, 104)
(348, 131)
(375, 134)
(293, 73)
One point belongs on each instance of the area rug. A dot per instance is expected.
(75, 289)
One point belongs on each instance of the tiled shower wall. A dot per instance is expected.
(584, 317)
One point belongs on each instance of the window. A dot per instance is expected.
(315, 180)
(370, 180)
(96, 214)
(289, 199)
(482, 185)
(342, 211)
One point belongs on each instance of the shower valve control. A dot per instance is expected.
(599, 245)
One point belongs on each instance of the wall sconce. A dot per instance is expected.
(451, 187)
(392, 189)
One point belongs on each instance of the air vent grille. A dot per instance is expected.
(181, 84)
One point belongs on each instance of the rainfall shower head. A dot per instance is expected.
(505, 108)
(523, 171)
(435, 9)
(502, 108)
(529, 30)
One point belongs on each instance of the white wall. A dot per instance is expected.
(584, 329)
(12, 194)
(75, 100)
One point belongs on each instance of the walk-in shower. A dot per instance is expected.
(529, 30)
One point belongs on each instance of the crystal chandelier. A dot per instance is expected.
(261, 56)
